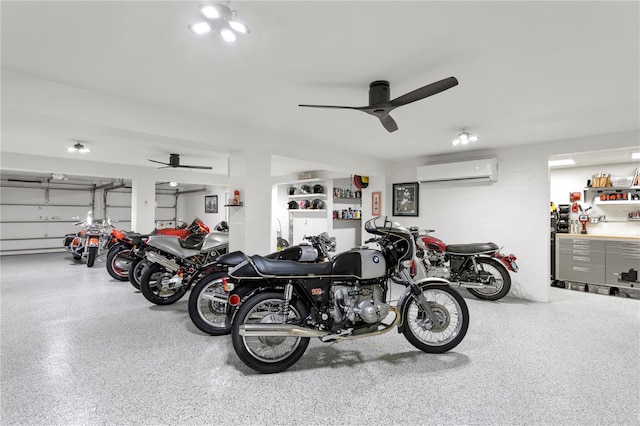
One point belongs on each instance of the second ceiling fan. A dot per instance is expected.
(380, 104)
(174, 161)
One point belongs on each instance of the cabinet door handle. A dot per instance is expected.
(582, 252)
(578, 269)
(581, 258)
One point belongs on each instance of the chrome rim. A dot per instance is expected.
(449, 314)
(270, 349)
(212, 304)
(491, 274)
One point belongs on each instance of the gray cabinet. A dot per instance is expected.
(621, 256)
(581, 260)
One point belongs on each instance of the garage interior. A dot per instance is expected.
(537, 81)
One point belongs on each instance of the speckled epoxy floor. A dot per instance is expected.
(78, 347)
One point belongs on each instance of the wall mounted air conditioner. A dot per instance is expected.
(476, 170)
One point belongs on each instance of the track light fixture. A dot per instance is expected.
(220, 18)
(464, 138)
(78, 147)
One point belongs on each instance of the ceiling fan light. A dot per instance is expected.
(84, 150)
(200, 28)
(473, 138)
(210, 11)
(228, 35)
(72, 149)
(239, 27)
(173, 184)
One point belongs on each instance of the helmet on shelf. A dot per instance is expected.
(318, 189)
(293, 205)
(317, 204)
(306, 189)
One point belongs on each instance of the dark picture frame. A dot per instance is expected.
(405, 199)
(211, 204)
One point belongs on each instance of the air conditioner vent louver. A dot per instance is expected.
(476, 170)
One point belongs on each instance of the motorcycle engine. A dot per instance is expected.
(355, 303)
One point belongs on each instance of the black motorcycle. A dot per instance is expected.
(209, 302)
(285, 303)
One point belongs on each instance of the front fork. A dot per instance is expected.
(420, 296)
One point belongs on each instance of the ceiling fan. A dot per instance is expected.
(380, 105)
(174, 161)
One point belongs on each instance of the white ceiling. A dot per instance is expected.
(130, 80)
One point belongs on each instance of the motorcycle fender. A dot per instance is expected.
(94, 242)
(508, 261)
(407, 292)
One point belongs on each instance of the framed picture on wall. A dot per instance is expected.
(211, 204)
(376, 202)
(405, 199)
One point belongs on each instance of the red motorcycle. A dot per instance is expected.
(122, 254)
(478, 267)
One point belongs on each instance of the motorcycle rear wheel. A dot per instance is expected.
(91, 256)
(453, 319)
(491, 268)
(118, 263)
(268, 354)
(151, 286)
(211, 316)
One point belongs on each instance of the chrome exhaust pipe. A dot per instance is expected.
(161, 260)
(277, 330)
(469, 284)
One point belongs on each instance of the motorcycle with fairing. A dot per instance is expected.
(175, 264)
(209, 303)
(286, 303)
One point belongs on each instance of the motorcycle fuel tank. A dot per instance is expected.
(171, 244)
(426, 242)
(215, 239)
(362, 263)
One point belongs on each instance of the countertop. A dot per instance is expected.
(599, 237)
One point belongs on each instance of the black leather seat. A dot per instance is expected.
(289, 267)
(472, 248)
(232, 259)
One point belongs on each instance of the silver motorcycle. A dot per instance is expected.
(174, 264)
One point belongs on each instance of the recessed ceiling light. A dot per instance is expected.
(564, 162)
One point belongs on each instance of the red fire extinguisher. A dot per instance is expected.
(236, 197)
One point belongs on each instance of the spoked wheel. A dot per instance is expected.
(156, 288)
(268, 354)
(452, 322)
(119, 262)
(491, 272)
(208, 305)
(135, 271)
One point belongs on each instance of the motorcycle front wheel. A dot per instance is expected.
(151, 285)
(268, 354)
(135, 271)
(118, 262)
(452, 319)
(208, 307)
(494, 273)
(91, 256)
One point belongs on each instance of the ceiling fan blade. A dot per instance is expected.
(388, 123)
(327, 106)
(425, 91)
(159, 162)
(195, 167)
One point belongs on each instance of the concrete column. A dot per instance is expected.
(250, 225)
(143, 204)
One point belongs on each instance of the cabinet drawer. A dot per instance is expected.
(583, 274)
(580, 259)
